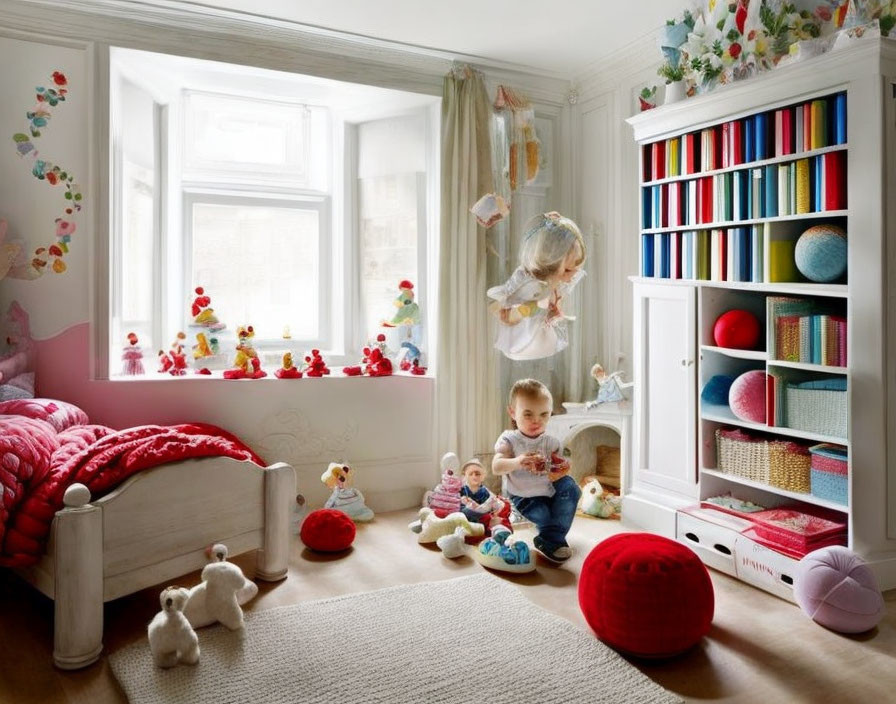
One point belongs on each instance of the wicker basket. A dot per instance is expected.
(789, 466)
(742, 454)
(815, 410)
(830, 473)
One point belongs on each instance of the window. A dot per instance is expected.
(297, 203)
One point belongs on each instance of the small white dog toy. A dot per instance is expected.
(171, 638)
(203, 602)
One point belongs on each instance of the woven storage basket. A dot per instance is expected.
(829, 476)
(815, 410)
(742, 454)
(789, 465)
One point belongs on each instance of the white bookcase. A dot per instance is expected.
(674, 462)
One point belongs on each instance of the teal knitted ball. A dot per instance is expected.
(821, 253)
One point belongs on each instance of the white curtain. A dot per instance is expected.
(468, 407)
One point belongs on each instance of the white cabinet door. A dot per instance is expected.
(666, 391)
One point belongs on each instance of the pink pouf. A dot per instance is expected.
(835, 588)
(327, 530)
(737, 329)
(747, 396)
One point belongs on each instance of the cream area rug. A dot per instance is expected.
(471, 640)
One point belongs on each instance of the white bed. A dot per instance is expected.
(152, 529)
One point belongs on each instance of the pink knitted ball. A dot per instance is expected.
(747, 396)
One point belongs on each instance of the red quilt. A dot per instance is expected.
(48, 445)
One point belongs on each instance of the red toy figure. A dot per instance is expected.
(352, 371)
(203, 315)
(316, 364)
(175, 361)
(288, 370)
(246, 364)
(375, 363)
(417, 369)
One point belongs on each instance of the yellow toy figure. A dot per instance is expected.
(288, 370)
(203, 314)
(201, 349)
(246, 364)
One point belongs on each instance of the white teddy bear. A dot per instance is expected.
(219, 595)
(171, 638)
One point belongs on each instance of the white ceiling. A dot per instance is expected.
(562, 37)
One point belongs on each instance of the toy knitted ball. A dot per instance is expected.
(327, 530)
(835, 588)
(646, 595)
(737, 329)
(716, 390)
(747, 396)
(821, 253)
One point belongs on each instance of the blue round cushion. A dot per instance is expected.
(821, 253)
(716, 390)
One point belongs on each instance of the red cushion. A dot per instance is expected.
(737, 329)
(327, 530)
(646, 595)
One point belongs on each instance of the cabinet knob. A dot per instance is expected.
(687, 362)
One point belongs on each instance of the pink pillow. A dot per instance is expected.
(59, 414)
(835, 588)
(747, 396)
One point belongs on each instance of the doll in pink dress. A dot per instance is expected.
(132, 357)
(531, 324)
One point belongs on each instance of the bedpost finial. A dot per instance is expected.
(76, 496)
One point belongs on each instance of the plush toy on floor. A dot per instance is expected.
(430, 527)
(211, 597)
(171, 638)
(345, 497)
(597, 502)
(445, 498)
(453, 545)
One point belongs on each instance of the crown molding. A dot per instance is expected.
(205, 32)
(604, 75)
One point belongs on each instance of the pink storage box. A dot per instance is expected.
(829, 473)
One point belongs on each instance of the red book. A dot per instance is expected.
(737, 142)
(770, 400)
(707, 199)
(717, 147)
(658, 159)
(787, 133)
(833, 165)
(689, 154)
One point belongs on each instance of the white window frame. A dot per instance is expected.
(191, 196)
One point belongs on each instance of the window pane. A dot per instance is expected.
(136, 244)
(388, 219)
(260, 265)
(236, 133)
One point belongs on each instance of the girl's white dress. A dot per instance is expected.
(533, 330)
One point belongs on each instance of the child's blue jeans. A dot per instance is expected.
(552, 515)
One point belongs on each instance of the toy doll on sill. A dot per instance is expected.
(532, 324)
(132, 356)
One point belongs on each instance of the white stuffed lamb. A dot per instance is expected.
(220, 593)
(171, 638)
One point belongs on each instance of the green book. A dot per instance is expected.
(781, 263)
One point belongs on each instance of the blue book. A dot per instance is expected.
(817, 203)
(665, 269)
(646, 197)
(839, 130)
(770, 183)
(761, 135)
(646, 255)
(749, 139)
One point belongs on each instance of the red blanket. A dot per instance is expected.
(37, 465)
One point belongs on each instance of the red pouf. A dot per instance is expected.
(737, 329)
(646, 595)
(327, 530)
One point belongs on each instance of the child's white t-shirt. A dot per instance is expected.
(522, 482)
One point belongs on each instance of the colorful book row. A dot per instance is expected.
(812, 339)
(790, 130)
(735, 254)
(816, 184)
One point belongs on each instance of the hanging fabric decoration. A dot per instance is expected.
(52, 254)
(524, 145)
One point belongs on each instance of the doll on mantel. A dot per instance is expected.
(610, 386)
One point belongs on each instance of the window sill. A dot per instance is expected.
(193, 375)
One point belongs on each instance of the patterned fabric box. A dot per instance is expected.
(829, 473)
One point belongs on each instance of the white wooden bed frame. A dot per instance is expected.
(153, 528)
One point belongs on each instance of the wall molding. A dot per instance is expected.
(241, 37)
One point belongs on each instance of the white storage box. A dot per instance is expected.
(764, 568)
(711, 535)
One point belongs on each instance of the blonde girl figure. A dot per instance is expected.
(531, 324)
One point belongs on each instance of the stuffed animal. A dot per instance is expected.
(345, 497)
(198, 610)
(597, 502)
(430, 527)
(171, 638)
(454, 544)
(445, 498)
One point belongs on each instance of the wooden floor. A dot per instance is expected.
(760, 648)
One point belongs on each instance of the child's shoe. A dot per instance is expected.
(558, 553)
